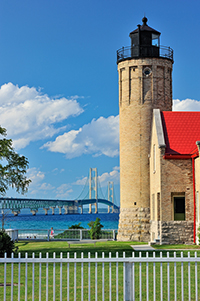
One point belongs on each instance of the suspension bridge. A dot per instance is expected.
(93, 197)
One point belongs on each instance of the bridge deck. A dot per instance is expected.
(34, 204)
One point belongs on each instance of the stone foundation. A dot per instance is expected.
(176, 232)
(134, 224)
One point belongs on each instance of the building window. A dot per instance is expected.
(154, 158)
(179, 207)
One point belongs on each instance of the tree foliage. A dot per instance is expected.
(6, 244)
(13, 167)
(95, 229)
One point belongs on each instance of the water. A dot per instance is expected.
(42, 221)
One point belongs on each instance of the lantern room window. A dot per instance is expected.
(155, 39)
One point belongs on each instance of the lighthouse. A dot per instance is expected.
(145, 83)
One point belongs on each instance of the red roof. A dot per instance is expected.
(181, 131)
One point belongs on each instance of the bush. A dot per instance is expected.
(95, 231)
(6, 244)
(76, 226)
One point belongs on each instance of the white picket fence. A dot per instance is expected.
(149, 277)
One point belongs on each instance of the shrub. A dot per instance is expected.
(95, 229)
(76, 226)
(6, 244)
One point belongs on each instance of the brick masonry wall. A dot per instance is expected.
(176, 232)
(138, 96)
(176, 179)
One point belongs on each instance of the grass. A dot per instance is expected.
(177, 247)
(63, 246)
(110, 246)
(99, 247)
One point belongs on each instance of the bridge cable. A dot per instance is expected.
(101, 190)
(86, 184)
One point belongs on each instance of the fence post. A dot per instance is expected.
(113, 234)
(48, 235)
(128, 282)
(81, 235)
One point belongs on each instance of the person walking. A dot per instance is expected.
(52, 233)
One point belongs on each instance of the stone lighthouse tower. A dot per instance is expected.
(145, 83)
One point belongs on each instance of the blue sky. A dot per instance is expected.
(59, 82)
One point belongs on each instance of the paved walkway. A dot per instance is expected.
(142, 248)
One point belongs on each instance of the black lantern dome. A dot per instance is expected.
(145, 42)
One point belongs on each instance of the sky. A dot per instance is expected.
(59, 83)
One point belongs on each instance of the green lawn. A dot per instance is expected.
(177, 247)
(63, 246)
(99, 247)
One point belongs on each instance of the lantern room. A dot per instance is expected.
(145, 41)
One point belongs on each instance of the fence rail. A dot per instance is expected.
(145, 277)
(59, 234)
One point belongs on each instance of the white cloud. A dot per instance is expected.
(37, 177)
(81, 182)
(63, 191)
(186, 105)
(112, 176)
(46, 186)
(29, 115)
(56, 171)
(100, 137)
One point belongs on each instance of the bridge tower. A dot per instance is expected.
(93, 186)
(111, 195)
(145, 83)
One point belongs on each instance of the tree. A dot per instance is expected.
(95, 229)
(13, 168)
